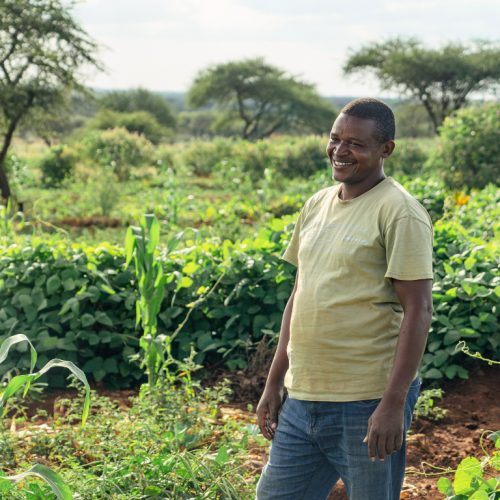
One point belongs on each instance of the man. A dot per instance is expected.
(355, 327)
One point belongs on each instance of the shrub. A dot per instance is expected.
(118, 148)
(409, 157)
(141, 122)
(78, 303)
(58, 164)
(290, 156)
(469, 152)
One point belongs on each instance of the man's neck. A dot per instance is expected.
(351, 191)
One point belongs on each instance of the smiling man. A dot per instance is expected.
(355, 327)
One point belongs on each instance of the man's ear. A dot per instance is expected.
(388, 148)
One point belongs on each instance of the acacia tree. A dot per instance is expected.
(441, 79)
(42, 49)
(261, 98)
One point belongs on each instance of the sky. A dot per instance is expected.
(162, 44)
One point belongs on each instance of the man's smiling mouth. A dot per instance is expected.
(344, 163)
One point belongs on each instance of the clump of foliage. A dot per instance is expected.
(133, 101)
(118, 148)
(425, 405)
(58, 164)
(140, 122)
(408, 158)
(473, 478)
(469, 152)
(170, 444)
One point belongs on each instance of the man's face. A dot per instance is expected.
(353, 152)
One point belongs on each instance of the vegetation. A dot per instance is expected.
(469, 152)
(41, 49)
(133, 101)
(261, 99)
(171, 444)
(442, 80)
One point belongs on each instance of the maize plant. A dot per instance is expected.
(58, 486)
(140, 244)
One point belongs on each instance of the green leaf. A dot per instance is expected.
(449, 270)
(444, 486)
(468, 468)
(469, 288)
(103, 318)
(18, 381)
(15, 339)
(222, 455)
(497, 290)
(55, 481)
(469, 263)
(152, 491)
(99, 374)
(50, 343)
(53, 284)
(69, 284)
(87, 320)
(480, 495)
(5, 484)
(93, 365)
(433, 373)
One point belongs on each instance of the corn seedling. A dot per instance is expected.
(58, 486)
(140, 244)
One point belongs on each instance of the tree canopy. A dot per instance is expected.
(441, 79)
(131, 101)
(260, 99)
(42, 48)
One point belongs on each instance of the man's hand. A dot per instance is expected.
(385, 430)
(268, 410)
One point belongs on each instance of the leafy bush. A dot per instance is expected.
(290, 156)
(478, 212)
(140, 122)
(466, 295)
(409, 157)
(58, 164)
(468, 155)
(78, 303)
(430, 193)
(118, 148)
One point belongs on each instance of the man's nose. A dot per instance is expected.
(341, 149)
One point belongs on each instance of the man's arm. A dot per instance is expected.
(386, 425)
(270, 402)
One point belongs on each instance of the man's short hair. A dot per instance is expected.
(368, 108)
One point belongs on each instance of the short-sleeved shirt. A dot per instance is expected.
(346, 314)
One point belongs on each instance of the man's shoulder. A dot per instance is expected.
(398, 203)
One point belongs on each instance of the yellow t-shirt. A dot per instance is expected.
(346, 314)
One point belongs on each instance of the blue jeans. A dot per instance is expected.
(316, 443)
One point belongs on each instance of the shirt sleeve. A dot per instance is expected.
(408, 244)
(292, 252)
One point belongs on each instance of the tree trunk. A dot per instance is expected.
(4, 183)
